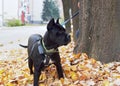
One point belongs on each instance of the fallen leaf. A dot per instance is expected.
(43, 76)
(106, 83)
(76, 56)
(74, 68)
(74, 76)
(62, 80)
(118, 69)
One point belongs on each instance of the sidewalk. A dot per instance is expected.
(11, 37)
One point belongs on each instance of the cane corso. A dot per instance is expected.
(44, 50)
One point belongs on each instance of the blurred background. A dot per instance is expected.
(21, 18)
(21, 12)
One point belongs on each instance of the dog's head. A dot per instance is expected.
(57, 33)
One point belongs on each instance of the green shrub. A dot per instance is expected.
(14, 22)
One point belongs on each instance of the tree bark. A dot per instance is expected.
(99, 24)
(66, 7)
(75, 20)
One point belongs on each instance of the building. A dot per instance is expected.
(1, 13)
(8, 10)
(36, 7)
(14, 10)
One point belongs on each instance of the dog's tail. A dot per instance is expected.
(23, 46)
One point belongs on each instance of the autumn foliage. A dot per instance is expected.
(79, 70)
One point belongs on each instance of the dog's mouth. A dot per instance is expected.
(67, 40)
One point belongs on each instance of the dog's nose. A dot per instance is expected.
(68, 36)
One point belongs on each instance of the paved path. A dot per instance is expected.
(11, 37)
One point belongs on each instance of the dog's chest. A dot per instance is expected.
(47, 53)
(47, 60)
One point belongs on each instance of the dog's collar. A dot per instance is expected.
(50, 50)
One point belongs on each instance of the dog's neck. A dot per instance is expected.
(48, 43)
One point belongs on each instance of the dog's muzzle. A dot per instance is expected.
(68, 39)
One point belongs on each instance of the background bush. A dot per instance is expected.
(14, 22)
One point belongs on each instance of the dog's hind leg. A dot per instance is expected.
(30, 64)
(37, 73)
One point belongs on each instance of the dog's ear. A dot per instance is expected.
(57, 22)
(50, 24)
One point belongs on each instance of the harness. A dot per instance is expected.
(43, 50)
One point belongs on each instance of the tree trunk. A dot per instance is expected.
(66, 7)
(99, 24)
(75, 20)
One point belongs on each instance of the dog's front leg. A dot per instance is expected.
(59, 70)
(57, 61)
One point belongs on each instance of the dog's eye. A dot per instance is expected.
(59, 33)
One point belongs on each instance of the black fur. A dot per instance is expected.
(54, 37)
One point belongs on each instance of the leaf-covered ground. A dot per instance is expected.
(79, 70)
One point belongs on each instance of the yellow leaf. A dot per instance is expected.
(66, 67)
(26, 75)
(42, 84)
(74, 76)
(93, 61)
(74, 68)
(77, 55)
(118, 77)
(63, 49)
(10, 84)
(43, 76)
(82, 67)
(62, 80)
(106, 83)
(1, 71)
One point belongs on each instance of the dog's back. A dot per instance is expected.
(33, 39)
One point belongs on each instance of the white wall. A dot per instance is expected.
(10, 9)
(36, 7)
(0, 7)
(0, 12)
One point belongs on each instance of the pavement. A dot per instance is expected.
(11, 37)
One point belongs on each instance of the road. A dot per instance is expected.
(11, 37)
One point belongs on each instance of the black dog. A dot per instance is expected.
(42, 50)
